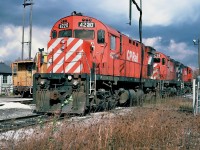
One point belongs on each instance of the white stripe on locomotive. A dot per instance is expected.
(74, 61)
(73, 49)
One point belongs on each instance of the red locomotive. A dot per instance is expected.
(91, 66)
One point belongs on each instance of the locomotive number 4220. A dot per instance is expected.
(86, 24)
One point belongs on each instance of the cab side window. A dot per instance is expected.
(54, 34)
(163, 61)
(112, 42)
(14, 69)
(100, 36)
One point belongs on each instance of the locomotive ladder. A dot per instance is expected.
(92, 88)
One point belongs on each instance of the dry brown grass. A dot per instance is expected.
(157, 126)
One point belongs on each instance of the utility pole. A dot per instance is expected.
(130, 12)
(197, 42)
(25, 4)
(139, 8)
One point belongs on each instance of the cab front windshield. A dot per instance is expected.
(84, 34)
(65, 33)
(156, 60)
(81, 34)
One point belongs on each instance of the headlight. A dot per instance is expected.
(42, 81)
(69, 78)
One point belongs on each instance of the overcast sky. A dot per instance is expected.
(168, 26)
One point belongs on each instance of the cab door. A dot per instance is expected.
(114, 54)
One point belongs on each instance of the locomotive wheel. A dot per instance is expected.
(140, 97)
(150, 97)
(124, 97)
(102, 106)
(24, 94)
(111, 104)
(132, 97)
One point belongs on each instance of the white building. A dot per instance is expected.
(6, 87)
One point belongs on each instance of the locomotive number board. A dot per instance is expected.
(86, 24)
(63, 25)
(157, 55)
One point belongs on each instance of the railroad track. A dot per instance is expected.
(26, 121)
(36, 119)
(20, 122)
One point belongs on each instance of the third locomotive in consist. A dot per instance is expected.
(91, 66)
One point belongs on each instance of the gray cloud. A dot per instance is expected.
(164, 24)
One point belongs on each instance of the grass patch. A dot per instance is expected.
(157, 126)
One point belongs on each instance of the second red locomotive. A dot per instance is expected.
(91, 66)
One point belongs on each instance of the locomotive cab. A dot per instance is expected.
(187, 79)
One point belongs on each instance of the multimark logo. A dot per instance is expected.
(132, 56)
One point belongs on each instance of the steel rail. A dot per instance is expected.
(19, 122)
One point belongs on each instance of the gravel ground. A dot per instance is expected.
(14, 112)
(12, 107)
